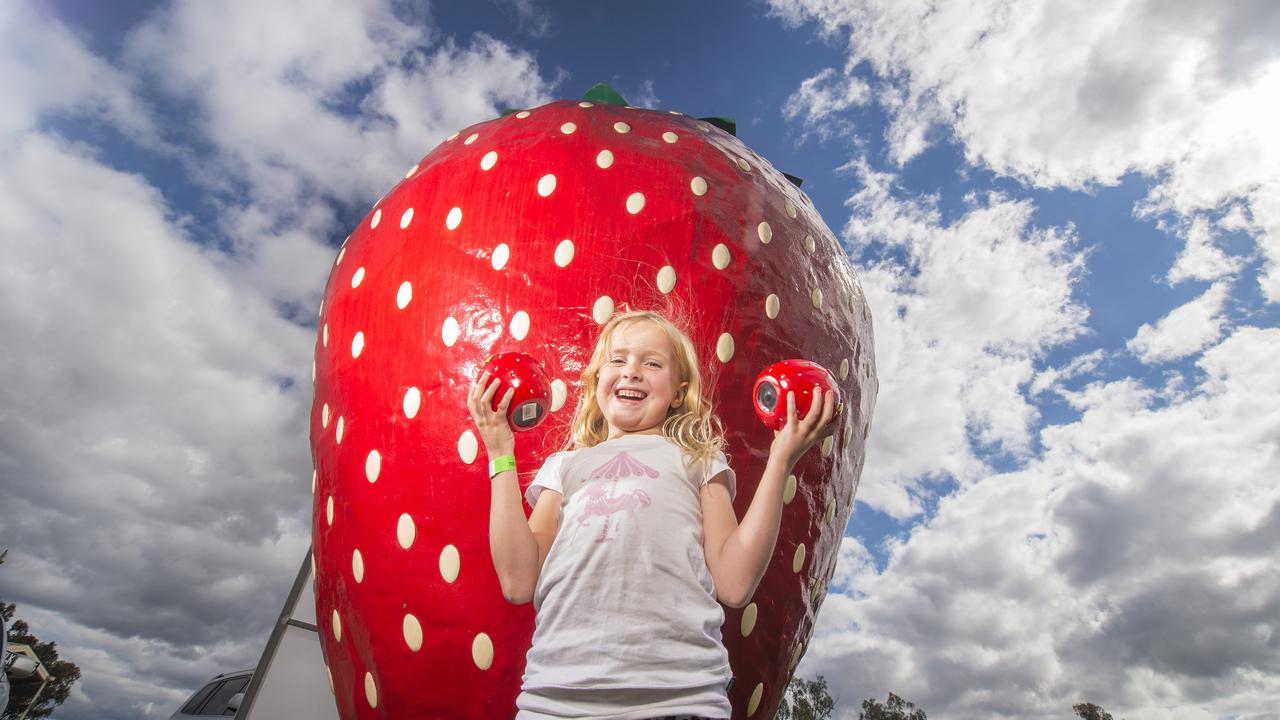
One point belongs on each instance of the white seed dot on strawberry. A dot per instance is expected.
(809, 244)
(844, 368)
(765, 232)
(564, 253)
(482, 651)
(791, 210)
(670, 137)
(406, 218)
(328, 511)
(749, 619)
(377, 218)
(314, 476)
(635, 202)
(404, 295)
(449, 331)
(453, 219)
(604, 159)
(451, 137)
(789, 493)
(699, 186)
(468, 447)
(720, 256)
(816, 298)
(489, 160)
(450, 563)
(519, 327)
(337, 626)
(412, 170)
(546, 185)
(568, 128)
(585, 104)
(831, 511)
(501, 255)
(357, 345)
(754, 703)
(827, 444)
(724, 347)
(313, 372)
(324, 335)
(559, 393)
(324, 416)
(743, 165)
(341, 252)
(795, 655)
(357, 565)
(797, 561)
(622, 127)
(370, 690)
(406, 531)
(357, 277)
(471, 138)
(373, 465)
(338, 434)
(602, 310)
(522, 114)
(666, 279)
(412, 402)
(412, 632)
(771, 306)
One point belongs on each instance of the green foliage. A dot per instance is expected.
(65, 673)
(895, 708)
(1089, 711)
(806, 700)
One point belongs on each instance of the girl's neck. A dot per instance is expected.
(615, 433)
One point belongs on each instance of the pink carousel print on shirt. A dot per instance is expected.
(602, 502)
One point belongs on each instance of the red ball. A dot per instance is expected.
(798, 376)
(532, 396)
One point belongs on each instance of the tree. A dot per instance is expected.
(1089, 711)
(806, 700)
(895, 708)
(65, 673)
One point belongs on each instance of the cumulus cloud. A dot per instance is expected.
(964, 309)
(1186, 330)
(1062, 93)
(820, 99)
(157, 393)
(1131, 565)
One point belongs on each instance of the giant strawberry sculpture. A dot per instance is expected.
(525, 233)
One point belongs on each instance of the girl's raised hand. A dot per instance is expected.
(798, 435)
(495, 433)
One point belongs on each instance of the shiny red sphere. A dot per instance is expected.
(769, 394)
(532, 399)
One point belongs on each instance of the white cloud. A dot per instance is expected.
(1068, 93)
(1201, 258)
(152, 403)
(1131, 566)
(46, 70)
(819, 100)
(1186, 330)
(963, 309)
(156, 387)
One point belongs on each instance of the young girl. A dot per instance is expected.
(633, 537)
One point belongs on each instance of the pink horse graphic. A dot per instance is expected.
(604, 503)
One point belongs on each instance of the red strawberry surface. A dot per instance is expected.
(525, 233)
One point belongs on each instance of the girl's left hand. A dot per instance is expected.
(798, 435)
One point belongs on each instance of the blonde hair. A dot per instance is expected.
(692, 426)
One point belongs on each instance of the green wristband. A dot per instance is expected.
(501, 464)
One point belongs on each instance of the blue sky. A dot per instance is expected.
(1065, 219)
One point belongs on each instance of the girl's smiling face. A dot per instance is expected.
(638, 383)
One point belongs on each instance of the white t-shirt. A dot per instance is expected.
(627, 623)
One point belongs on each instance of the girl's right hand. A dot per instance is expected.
(495, 433)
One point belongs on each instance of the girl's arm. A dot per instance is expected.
(517, 546)
(737, 554)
